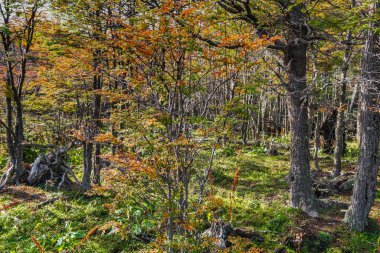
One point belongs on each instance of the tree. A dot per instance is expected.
(175, 96)
(364, 192)
(342, 104)
(18, 22)
(297, 36)
(94, 20)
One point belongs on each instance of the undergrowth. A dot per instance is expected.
(109, 223)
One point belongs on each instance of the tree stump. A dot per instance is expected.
(51, 168)
(221, 231)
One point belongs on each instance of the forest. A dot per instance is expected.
(189, 126)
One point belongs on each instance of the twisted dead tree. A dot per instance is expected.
(50, 168)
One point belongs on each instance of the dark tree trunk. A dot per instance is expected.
(15, 133)
(328, 131)
(91, 150)
(364, 192)
(9, 131)
(98, 125)
(97, 165)
(87, 164)
(19, 139)
(14, 83)
(301, 194)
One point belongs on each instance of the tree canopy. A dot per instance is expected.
(190, 125)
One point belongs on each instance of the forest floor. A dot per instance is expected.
(77, 221)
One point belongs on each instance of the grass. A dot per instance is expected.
(260, 200)
(259, 203)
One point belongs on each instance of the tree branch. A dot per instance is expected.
(7, 128)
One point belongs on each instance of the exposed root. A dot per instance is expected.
(50, 168)
(7, 177)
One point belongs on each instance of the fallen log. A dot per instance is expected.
(327, 185)
(50, 167)
(221, 231)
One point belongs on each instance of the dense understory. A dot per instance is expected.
(101, 222)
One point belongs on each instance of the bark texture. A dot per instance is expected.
(50, 169)
(301, 194)
(317, 140)
(53, 168)
(369, 116)
(15, 70)
(328, 131)
(298, 36)
(339, 130)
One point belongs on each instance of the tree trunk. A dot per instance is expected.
(364, 192)
(339, 130)
(9, 131)
(317, 140)
(16, 61)
(91, 151)
(328, 131)
(97, 166)
(98, 124)
(87, 170)
(18, 140)
(15, 134)
(301, 194)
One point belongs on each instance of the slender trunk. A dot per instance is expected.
(97, 166)
(339, 130)
(301, 194)
(18, 141)
(115, 134)
(263, 114)
(286, 120)
(169, 222)
(15, 134)
(9, 131)
(10, 42)
(317, 140)
(87, 170)
(96, 116)
(364, 192)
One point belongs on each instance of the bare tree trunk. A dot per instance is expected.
(98, 124)
(301, 194)
(9, 129)
(15, 67)
(317, 140)
(339, 130)
(18, 140)
(364, 192)
(87, 166)
(97, 165)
